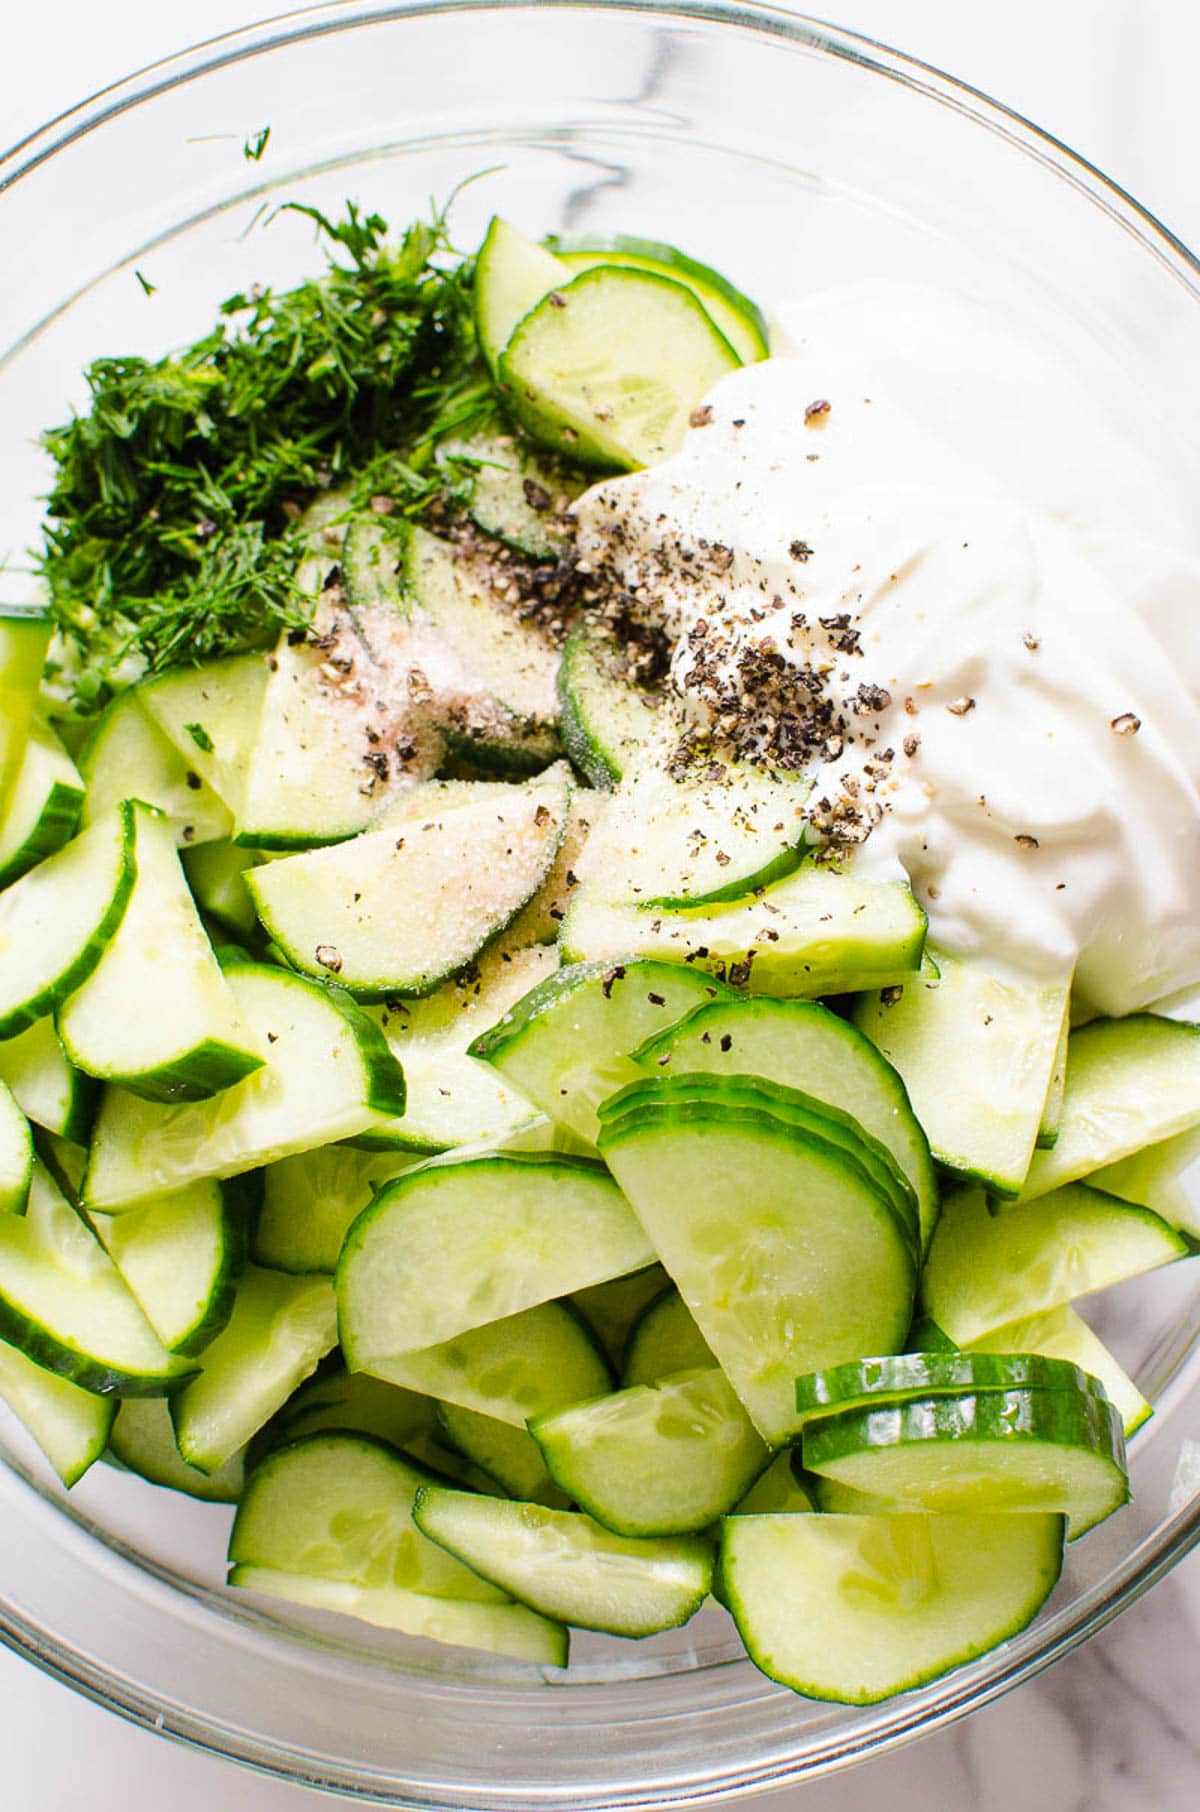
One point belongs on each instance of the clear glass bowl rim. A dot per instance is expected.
(1153, 1558)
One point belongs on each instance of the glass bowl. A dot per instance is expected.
(790, 154)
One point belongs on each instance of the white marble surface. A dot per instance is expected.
(1114, 1728)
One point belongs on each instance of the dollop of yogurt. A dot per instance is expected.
(1022, 595)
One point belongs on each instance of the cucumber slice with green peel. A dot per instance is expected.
(858, 1608)
(339, 1506)
(16, 1154)
(1130, 1083)
(925, 1336)
(500, 1629)
(328, 1076)
(541, 920)
(815, 932)
(982, 1119)
(1161, 1177)
(509, 1454)
(449, 1466)
(370, 566)
(451, 1099)
(565, 1045)
(786, 1255)
(399, 913)
(611, 1309)
(896, 1377)
(526, 1365)
(143, 1439)
(188, 1039)
(452, 1246)
(566, 1566)
(64, 1304)
(24, 639)
(56, 921)
(512, 274)
(660, 1459)
(607, 717)
(311, 1201)
(181, 1258)
(127, 754)
(775, 1492)
(70, 1425)
(520, 497)
(278, 1331)
(211, 715)
(355, 1403)
(609, 367)
(48, 1090)
(985, 1270)
(717, 833)
(337, 739)
(662, 1341)
(1062, 1334)
(505, 713)
(43, 807)
(739, 319)
(803, 1045)
(1052, 1111)
(828, 1126)
(216, 875)
(1018, 1450)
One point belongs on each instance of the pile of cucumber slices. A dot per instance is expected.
(531, 1186)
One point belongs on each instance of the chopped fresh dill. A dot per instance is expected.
(256, 144)
(169, 534)
(148, 288)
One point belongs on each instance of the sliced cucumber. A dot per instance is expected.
(501, 1629)
(47, 1089)
(64, 1304)
(716, 833)
(216, 875)
(311, 1201)
(339, 1506)
(278, 1331)
(16, 1154)
(814, 932)
(56, 921)
(858, 1608)
(803, 1045)
(69, 1424)
(505, 716)
(187, 1040)
(985, 1270)
(211, 714)
(786, 1255)
(981, 1115)
(43, 806)
(607, 717)
(398, 914)
(451, 1099)
(1160, 1176)
(143, 1439)
(523, 1366)
(1052, 1111)
(1062, 1334)
(739, 319)
(1130, 1083)
(328, 1076)
(899, 1376)
(1017, 1450)
(565, 1045)
(370, 567)
(612, 1308)
(451, 1246)
(609, 367)
(509, 1454)
(660, 1459)
(181, 1257)
(521, 498)
(662, 1341)
(356, 1403)
(512, 274)
(567, 1566)
(776, 1491)
(541, 920)
(24, 639)
(127, 754)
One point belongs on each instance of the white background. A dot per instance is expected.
(1110, 1730)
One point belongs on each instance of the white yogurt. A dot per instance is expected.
(996, 540)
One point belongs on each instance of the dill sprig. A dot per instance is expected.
(169, 533)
